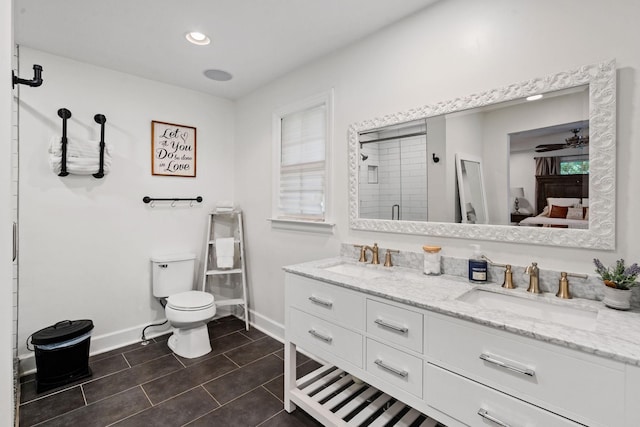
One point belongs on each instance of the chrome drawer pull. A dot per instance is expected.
(322, 302)
(319, 335)
(484, 414)
(398, 372)
(384, 324)
(505, 365)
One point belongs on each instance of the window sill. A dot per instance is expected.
(301, 225)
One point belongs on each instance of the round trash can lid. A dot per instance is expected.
(61, 331)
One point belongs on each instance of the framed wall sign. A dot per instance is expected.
(173, 149)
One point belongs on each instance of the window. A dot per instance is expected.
(302, 135)
(574, 165)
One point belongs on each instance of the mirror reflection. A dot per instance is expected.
(522, 149)
(557, 194)
(393, 172)
(473, 204)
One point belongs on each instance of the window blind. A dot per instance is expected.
(303, 164)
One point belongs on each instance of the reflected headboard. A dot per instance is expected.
(573, 186)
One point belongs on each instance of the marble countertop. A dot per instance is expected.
(615, 334)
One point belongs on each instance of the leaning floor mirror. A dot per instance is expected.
(494, 165)
(473, 203)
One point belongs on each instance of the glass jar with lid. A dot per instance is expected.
(432, 260)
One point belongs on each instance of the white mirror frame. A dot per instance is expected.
(601, 79)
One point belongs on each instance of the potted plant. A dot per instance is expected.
(618, 280)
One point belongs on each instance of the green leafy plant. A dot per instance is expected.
(618, 276)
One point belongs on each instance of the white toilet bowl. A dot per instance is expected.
(188, 312)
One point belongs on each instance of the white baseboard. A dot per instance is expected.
(111, 341)
(103, 343)
(270, 327)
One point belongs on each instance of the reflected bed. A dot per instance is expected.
(562, 201)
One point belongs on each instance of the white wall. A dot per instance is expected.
(441, 207)
(86, 243)
(452, 49)
(522, 172)
(7, 338)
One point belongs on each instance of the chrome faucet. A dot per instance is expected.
(534, 278)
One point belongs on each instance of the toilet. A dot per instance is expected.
(187, 311)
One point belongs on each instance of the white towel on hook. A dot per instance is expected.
(225, 248)
(83, 157)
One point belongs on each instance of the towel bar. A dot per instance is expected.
(147, 199)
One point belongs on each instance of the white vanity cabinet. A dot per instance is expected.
(379, 342)
(579, 386)
(458, 372)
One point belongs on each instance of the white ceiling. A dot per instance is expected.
(255, 40)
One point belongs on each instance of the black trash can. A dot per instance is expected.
(62, 353)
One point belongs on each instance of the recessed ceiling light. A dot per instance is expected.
(198, 38)
(218, 75)
(534, 97)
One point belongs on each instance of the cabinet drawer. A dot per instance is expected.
(579, 386)
(395, 324)
(331, 302)
(395, 367)
(474, 404)
(324, 338)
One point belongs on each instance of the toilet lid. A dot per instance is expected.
(191, 300)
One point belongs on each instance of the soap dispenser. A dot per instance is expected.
(477, 266)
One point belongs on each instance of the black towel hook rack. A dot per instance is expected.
(101, 120)
(64, 114)
(173, 200)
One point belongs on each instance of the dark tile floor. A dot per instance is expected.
(240, 383)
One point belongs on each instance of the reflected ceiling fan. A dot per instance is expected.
(575, 141)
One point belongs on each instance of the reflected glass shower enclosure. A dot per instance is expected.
(393, 173)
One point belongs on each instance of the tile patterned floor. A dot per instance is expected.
(240, 383)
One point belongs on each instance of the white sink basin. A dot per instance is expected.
(530, 307)
(357, 271)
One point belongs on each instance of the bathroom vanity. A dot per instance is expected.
(462, 354)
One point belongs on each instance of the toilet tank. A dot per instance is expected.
(172, 274)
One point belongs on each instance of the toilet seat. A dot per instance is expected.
(191, 301)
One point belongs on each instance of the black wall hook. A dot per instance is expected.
(35, 82)
(435, 158)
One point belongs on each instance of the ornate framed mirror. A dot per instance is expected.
(576, 103)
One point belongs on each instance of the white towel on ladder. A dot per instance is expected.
(224, 252)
